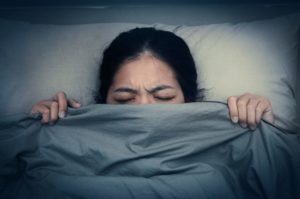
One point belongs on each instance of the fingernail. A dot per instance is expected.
(235, 119)
(61, 114)
(244, 125)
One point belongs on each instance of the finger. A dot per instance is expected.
(264, 111)
(74, 103)
(242, 109)
(61, 98)
(36, 115)
(44, 110)
(268, 113)
(53, 106)
(268, 116)
(259, 112)
(53, 112)
(233, 110)
(251, 113)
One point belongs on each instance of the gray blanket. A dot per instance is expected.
(148, 151)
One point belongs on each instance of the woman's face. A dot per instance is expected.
(145, 80)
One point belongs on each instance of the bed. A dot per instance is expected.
(150, 151)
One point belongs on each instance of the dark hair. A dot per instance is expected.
(164, 45)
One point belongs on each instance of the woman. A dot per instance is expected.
(148, 66)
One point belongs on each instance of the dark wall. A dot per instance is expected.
(101, 2)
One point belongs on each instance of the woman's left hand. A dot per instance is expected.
(249, 109)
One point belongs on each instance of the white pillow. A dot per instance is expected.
(259, 57)
(39, 60)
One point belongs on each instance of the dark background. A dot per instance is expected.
(103, 2)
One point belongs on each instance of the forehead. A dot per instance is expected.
(145, 68)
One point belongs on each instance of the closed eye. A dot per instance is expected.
(165, 98)
(123, 101)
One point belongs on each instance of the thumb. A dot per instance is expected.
(74, 103)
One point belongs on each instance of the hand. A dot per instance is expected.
(54, 108)
(249, 109)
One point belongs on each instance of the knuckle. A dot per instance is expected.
(241, 103)
(261, 98)
(247, 94)
(44, 103)
(254, 100)
(259, 109)
(54, 104)
(231, 98)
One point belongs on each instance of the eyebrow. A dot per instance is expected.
(126, 89)
(135, 91)
(159, 88)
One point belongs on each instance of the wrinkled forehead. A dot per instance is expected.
(145, 69)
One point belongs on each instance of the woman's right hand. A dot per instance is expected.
(54, 108)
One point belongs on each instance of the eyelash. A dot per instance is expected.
(124, 101)
(159, 98)
(164, 98)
